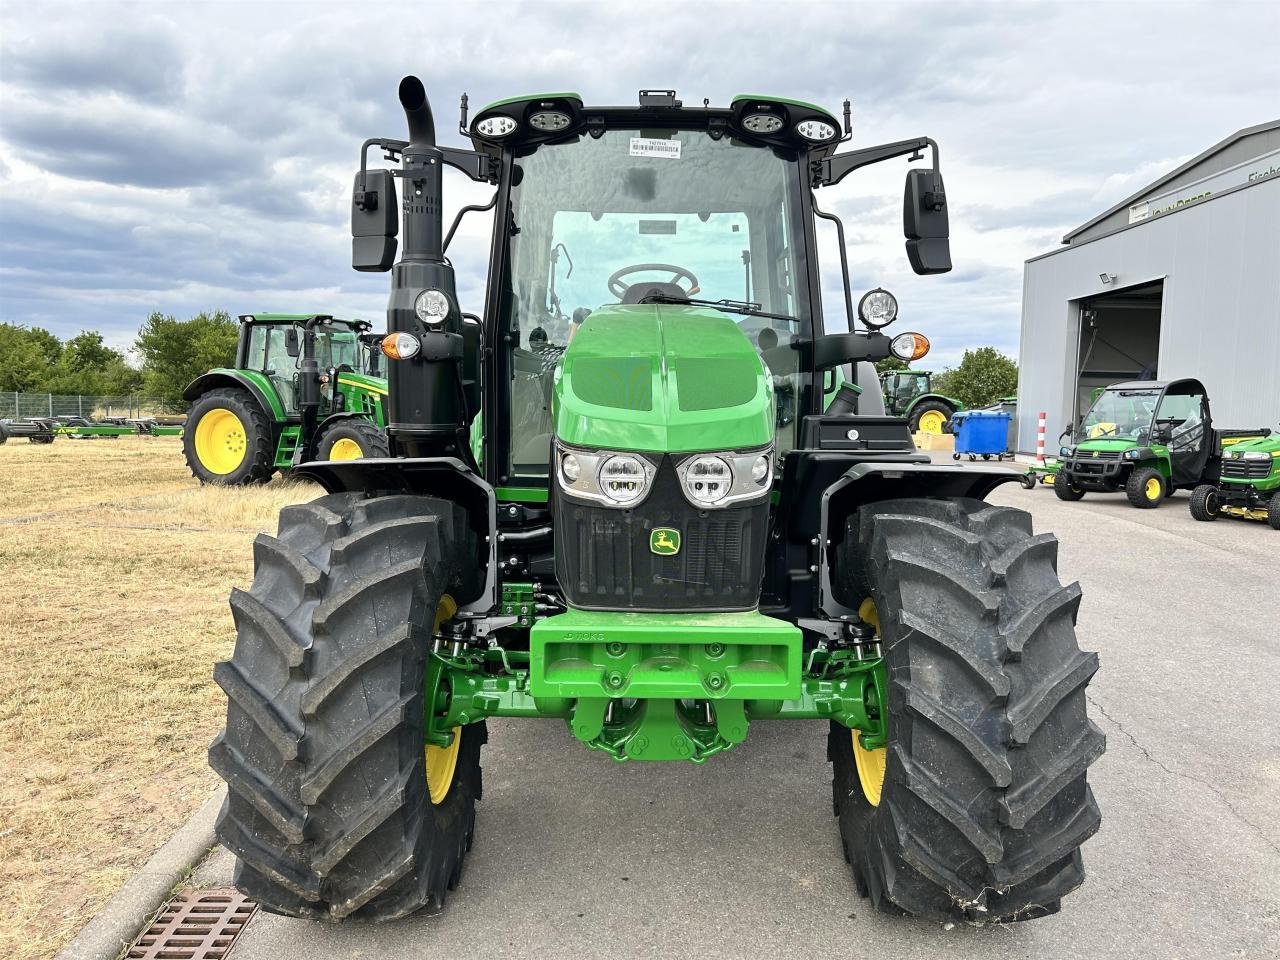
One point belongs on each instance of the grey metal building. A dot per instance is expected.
(1182, 279)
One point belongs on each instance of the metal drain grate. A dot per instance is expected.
(199, 925)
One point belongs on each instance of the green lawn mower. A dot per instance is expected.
(909, 394)
(1147, 438)
(620, 500)
(1249, 484)
(304, 387)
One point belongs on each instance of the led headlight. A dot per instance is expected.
(1065, 451)
(570, 468)
(1255, 455)
(495, 126)
(816, 130)
(608, 477)
(623, 478)
(762, 123)
(878, 308)
(432, 307)
(715, 480)
(707, 480)
(549, 121)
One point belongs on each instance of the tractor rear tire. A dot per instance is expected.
(933, 406)
(1204, 502)
(1065, 489)
(984, 802)
(1273, 511)
(1146, 488)
(247, 434)
(329, 811)
(4, 434)
(352, 439)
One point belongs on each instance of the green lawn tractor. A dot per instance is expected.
(619, 500)
(1248, 486)
(909, 394)
(304, 387)
(1147, 438)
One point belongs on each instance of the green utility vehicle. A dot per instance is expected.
(619, 500)
(1147, 438)
(1249, 484)
(304, 387)
(909, 394)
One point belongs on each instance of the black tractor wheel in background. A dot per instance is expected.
(981, 802)
(227, 439)
(1145, 488)
(352, 439)
(332, 811)
(4, 434)
(41, 438)
(1065, 489)
(1204, 503)
(1273, 511)
(936, 407)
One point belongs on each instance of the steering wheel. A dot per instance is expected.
(619, 289)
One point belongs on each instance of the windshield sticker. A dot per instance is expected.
(652, 147)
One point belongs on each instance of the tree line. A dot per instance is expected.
(168, 354)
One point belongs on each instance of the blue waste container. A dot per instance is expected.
(981, 433)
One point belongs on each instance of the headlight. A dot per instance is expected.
(716, 480)
(878, 308)
(1065, 451)
(816, 130)
(401, 346)
(623, 478)
(611, 478)
(549, 121)
(909, 346)
(1256, 455)
(432, 307)
(1131, 454)
(495, 126)
(762, 123)
(571, 468)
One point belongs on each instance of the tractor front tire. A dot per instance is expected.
(1204, 502)
(329, 810)
(352, 439)
(931, 416)
(1065, 489)
(1273, 511)
(981, 802)
(227, 439)
(1145, 488)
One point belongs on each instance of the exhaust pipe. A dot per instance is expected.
(422, 126)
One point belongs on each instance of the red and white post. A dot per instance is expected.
(1040, 439)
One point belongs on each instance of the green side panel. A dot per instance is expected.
(262, 382)
(521, 494)
(364, 394)
(665, 656)
(96, 431)
(662, 378)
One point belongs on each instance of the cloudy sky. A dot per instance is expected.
(195, 156)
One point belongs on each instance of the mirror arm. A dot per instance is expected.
(470, 208)
(480, 167)
(836, 348)
(844, 258)
(832, 170)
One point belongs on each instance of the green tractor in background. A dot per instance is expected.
(304, 387)
(1147, 438)
(1248, 486)
(909, 394)
(621, 500)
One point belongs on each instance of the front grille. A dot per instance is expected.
(1246, 469)
(1098, 455)
(603, 560)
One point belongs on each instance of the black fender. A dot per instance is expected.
(445, 477)
(217, 378)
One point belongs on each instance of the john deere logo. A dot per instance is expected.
(664, 541)
(1095, 453)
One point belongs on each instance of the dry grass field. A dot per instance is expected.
(115, 567)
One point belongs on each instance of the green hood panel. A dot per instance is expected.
(662, 378)
(1108, 444)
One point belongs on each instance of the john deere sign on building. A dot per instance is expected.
(1182, 279)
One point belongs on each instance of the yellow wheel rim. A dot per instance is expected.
(442, 762)
(345, 449)
(870, 763)
(932, 421)
(1152, 489)
(220, 441)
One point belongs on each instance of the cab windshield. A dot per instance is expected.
(676, 211)
(1121, 414)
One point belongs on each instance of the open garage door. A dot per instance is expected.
(1119, 340)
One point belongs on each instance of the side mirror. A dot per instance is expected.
(292, 346)
(374, 223)
(925, 222)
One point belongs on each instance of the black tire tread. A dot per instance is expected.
(1203, 503)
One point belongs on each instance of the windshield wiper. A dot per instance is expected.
(728, 306)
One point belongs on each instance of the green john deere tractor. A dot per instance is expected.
(619, 499)
(1248, 485)
(1147, 438)
(909, 394)
(304, 387)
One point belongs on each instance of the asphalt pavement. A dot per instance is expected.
(576, 856)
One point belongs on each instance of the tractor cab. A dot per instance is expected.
(909, 394)
(273, 344)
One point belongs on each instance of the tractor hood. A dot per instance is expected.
(662, 378)
(1107, 444)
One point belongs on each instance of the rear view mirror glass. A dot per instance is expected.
(925, 222)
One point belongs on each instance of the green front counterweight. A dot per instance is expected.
(678, 686)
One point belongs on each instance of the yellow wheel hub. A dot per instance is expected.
(221, 442)
(932, 421)
(1152, 489)
(345, 449)
(442, 762)
(870, 763)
